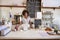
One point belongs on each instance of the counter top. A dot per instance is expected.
(30, 34)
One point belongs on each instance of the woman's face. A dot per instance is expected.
(26, 15)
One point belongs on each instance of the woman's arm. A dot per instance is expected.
(30, 24)
(21, 22)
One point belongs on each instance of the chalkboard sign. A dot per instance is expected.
(37, 23)
(33, 6)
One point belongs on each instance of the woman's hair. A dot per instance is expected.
(25, 11)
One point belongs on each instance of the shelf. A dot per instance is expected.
(12, 6)
(51, 7)
(47, 13)
(47, 18)
(25, 6)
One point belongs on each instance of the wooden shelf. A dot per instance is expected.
(51, 7)
(12, 6)
(25, 6)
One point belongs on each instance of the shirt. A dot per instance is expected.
(25, 21)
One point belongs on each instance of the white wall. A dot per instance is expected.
(0, 10)
(12, 2)
(14, 11)
(56, 15)
(5, 10)
(0, 13)
(51, 3)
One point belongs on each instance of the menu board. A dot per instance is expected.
(51, 3)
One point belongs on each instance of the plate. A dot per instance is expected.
(51, 33)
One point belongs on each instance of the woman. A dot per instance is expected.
(25, 22)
